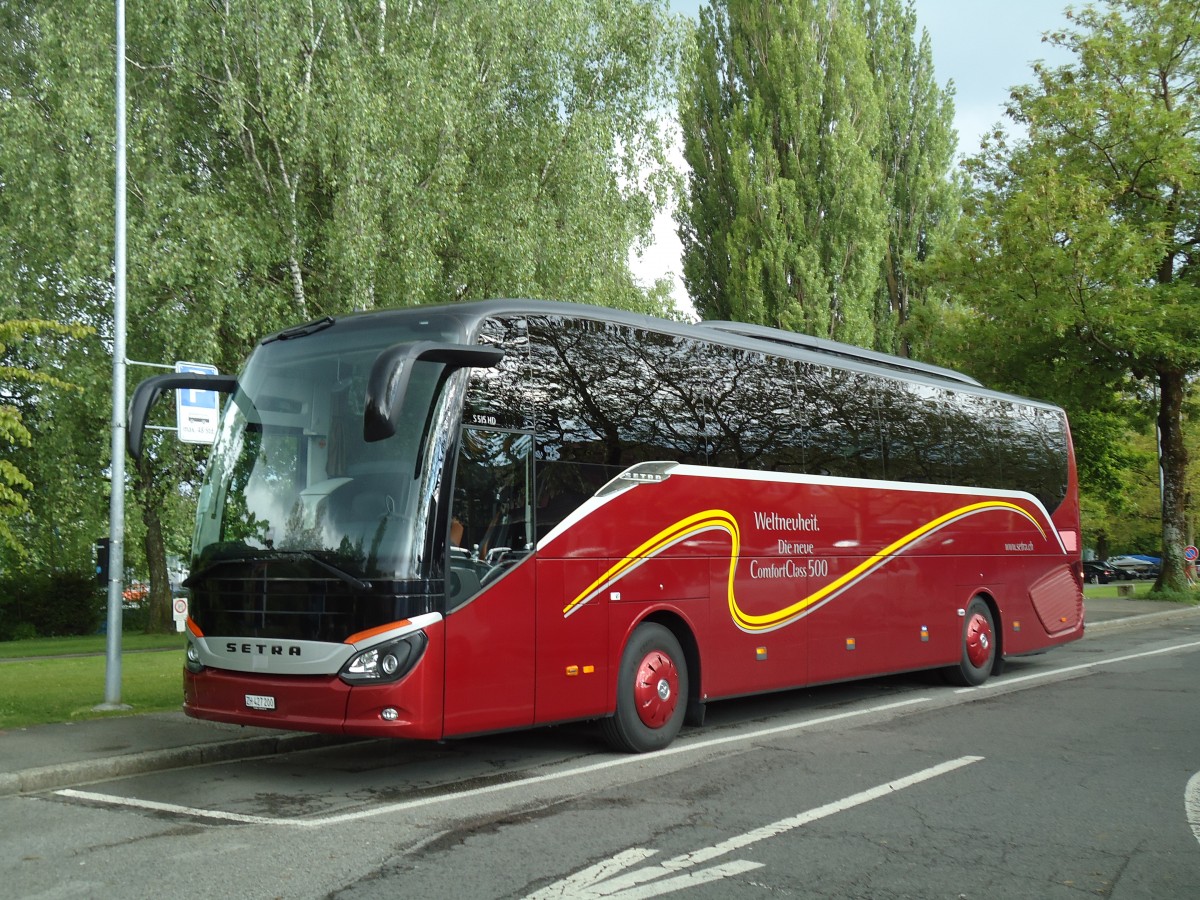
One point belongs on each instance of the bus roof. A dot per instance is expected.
(742, 334)
(844, 351)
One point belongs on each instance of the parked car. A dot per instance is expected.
(1098, 572)
(1135, 566)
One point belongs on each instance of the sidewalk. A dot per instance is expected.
(48, 757)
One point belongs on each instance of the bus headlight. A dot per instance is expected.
(191, 660)
(385, 663)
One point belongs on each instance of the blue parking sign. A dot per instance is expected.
(196, 411)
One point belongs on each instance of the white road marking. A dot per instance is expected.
(1191, 804)
(111, 800)
(432, 799)
(611, 879)
(1082, 667)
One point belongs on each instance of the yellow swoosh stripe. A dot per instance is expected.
(721, 520)
(774, 620)
(672, 534)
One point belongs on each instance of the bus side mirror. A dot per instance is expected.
(392, 371)
(146, 393)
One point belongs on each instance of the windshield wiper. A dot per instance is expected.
(342, 574)
(194, 577)
(299, 330)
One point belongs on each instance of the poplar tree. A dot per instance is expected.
(818, 147)
(916, 154)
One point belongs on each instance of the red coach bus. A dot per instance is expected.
(444, 521)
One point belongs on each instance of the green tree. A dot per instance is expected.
(915, 151)
(1079, 245)
(818, 146)
(291, 160)
(21, 386)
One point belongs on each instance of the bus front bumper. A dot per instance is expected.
(322, 704)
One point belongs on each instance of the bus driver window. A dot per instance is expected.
(491, 527)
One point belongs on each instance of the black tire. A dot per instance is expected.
(979, 646)
(652, 692)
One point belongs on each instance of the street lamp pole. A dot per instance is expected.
(116, 502)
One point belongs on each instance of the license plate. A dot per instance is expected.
(257, 701)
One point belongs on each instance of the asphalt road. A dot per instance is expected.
(1069, 776)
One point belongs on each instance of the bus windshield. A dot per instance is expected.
(291, 475)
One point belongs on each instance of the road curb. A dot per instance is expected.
(72, 774)
(1144, 619)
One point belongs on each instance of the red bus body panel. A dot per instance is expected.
(831, 580)
(779, 581)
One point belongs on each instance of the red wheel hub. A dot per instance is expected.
(979, 640)
(656, 689)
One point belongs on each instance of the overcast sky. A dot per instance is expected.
(984, 46)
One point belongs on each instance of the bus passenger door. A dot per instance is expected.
(490, 586)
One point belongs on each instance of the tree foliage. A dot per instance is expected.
(21, 385)
(290, 160)
(1080, 245)
(915, 152)
(819, 146)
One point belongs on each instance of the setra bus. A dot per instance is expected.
(445, 521)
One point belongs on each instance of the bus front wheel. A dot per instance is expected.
(978, 646)
(652, 688)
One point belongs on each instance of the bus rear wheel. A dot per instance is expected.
(978, 646)
(652, 690)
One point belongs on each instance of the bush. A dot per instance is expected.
(54, 605)
(1173, 596)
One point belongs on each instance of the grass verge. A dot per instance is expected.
(88, 643)
(65, 689)
(1141, 591)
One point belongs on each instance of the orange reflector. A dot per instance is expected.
(849, 643)
(572, 670)
(588, 670)
(760, 653)
(372, 632)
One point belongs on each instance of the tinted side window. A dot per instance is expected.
(491, 524)
(921, 432)
(500, 397)
(938, 436)
(606, 396)
(841, 426)
(753, 420)
(611, 395)
(1036, 445)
